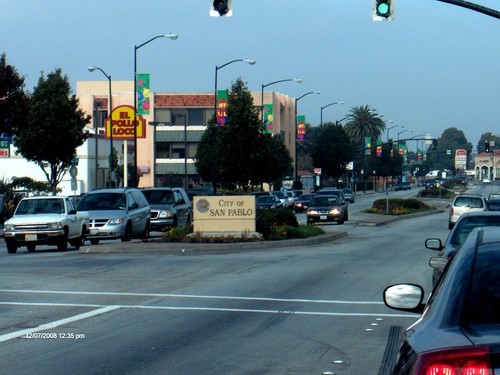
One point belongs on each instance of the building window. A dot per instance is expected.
(196, 116)
(163, 150)
(163, 116)
(179, 116)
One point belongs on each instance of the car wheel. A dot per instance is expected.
(146, 233)
(79, 242)
(11, 247)
(31, 247)
(127, 236)
(63, 245)
(94, 241)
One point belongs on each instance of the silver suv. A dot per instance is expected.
(116, 213)
(170, 207)
(465, 203)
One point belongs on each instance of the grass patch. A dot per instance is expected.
(398, 206)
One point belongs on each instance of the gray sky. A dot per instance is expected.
(434, 67)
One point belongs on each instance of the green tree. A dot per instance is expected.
(240, 153)
(332, 150)
(364, 122)
(13, 100)
(443, 157)
(54, 128)
(488, 136)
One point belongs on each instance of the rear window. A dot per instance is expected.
(159, 196)
(471, 202)
(103, 201)
(483, 305)
(465, 226)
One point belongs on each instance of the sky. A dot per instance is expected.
(434, 67)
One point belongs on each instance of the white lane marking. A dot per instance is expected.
(57, 323)
(220, 309)
(168, 295)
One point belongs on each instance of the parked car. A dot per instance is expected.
(341, 197)
(284, 201)
(170, 207)
(486, 180)
(48, 220)
(402, 186)
(267, 201)
(465, 224)
(302, 203)
(325, 208)
(349, 195)
(494, 196)
(459, 330)
(116, 213)
(465, 203)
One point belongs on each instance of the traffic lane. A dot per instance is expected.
(222, 336)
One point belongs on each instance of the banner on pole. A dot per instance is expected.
(221, 115)
(301, 128)
(143, 94)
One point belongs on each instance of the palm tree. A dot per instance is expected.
(364, 122)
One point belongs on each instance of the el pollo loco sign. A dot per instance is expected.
(122, 127)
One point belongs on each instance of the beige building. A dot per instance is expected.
(487, 165)
(167, 137)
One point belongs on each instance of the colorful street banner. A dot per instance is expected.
(379, 149)
(368, 145)
(4, 146)
(301, 128)
(222, 100)
(143, 94)
(268, 118)
(123, 124)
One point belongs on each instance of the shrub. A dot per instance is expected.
(269, 219)
(436, 193)
(398, 206)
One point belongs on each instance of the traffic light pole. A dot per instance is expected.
(475, 7)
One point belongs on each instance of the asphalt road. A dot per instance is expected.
(309, 309)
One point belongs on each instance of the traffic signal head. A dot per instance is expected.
(487, 146)
(383, 10)
(222, 8)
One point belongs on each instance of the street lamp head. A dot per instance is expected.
(297, 80)
(250, 61)
(91, 68)
(317, 92)
(171, 36)
(341, 103)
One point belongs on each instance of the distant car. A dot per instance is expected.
(116, 213)
(302, 203)
(341, 197)
(493, 204)
(459, 330)
(325, 208)
(170, 207)
(486, 181)
(494, 196)
(465, 224)
(402, 186)
(465, 203)
(268, 201)
(349, 195)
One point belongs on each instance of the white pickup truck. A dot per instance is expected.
(48, 220)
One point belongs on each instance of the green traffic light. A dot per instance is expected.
(383, 9)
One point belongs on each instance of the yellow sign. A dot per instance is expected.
(224, 213)
(123, 123)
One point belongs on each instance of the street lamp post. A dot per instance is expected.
(394, 126)
(135, 122)
(214, 136)
(295, 171)
(110, 110)
(328, 105)
(297, 80)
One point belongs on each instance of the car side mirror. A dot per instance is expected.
(438, 262)
(434, 244)
(133, 206)
(406, 297)
(72, 212)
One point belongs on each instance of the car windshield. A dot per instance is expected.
(324, 201)
(266, 199)
(494, 205)
(40, 206)
(466, 225)
(103, 201)
(159, 196)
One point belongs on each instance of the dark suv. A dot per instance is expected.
(170, 207)
(116, 213)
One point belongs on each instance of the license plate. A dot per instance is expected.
(323, 217)
(30, 237)
(94, 231)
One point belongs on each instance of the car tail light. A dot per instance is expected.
(457, 361)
